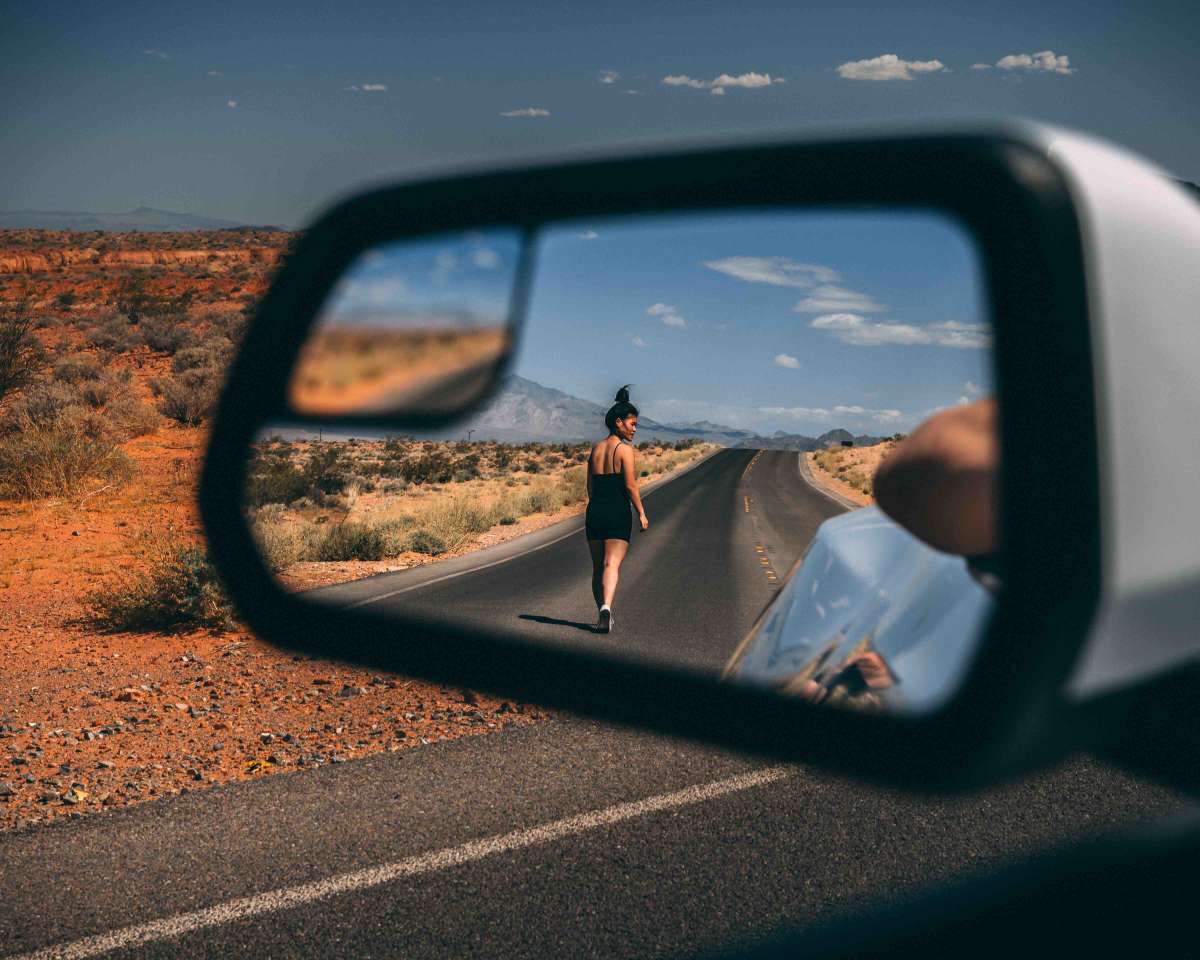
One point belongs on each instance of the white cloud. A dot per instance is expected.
(981, 66)
(634, 93)
(215, 73)
(157, 53)
(830, 299)
(485, 258)
(374, 87)
(827, 414)
(608, 76)
(787, 361)
(667, 314)
(231, 104)
(887, 67)
(683, 80)
(718, 84)
(639, 342)
(526, 112)
(777, 271)
(587, 235)
(444, 263)
(857, 331)
(973, 389)
(1045, 61)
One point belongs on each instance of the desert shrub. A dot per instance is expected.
(422, 541)
(78, 369)
(433, 467)
(502, 456)
(129, 417)
(352, 541)
(114, 335)
(59, 460)
(208, 353)
(41, 405)
(65, 300)
(531, 466)
(103, 390)
(166, 334)
(180, 589)
(274, 480)
(327, 471)
(507, 521)
(188, 398)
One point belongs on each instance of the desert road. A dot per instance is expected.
(566, 838)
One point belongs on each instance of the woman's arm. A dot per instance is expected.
(589, 477)
(630, 474)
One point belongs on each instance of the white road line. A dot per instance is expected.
(289, 897)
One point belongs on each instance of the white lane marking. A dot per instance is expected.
(289, 897)
(658, 485)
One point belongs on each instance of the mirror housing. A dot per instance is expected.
(1046, 212)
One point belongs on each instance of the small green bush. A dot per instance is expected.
(422, 541)
(352, 541)
(181, 589)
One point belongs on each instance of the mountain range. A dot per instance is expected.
(143, 218)
(523, 411)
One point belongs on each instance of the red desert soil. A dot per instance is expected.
(91, 720)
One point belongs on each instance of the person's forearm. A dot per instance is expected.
(635, 498)
(940, 482)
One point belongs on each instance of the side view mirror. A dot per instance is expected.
(403, 453)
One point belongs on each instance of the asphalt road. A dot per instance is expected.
(570, 837)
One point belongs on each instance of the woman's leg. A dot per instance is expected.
(597, 550)
(614, 553)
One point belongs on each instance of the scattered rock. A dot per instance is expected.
(6, 790)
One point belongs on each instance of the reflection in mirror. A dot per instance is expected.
(413, 327)
(808, 434)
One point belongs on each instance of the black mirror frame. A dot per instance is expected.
(1009, 714)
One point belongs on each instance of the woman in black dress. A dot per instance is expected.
(612, 487)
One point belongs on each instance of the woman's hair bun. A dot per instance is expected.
(623, 394)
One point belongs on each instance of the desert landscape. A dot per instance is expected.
(127, 676)
(848, 470)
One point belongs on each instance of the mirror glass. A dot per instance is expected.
(411, 327)
(775, 360)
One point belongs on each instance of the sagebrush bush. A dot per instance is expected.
(41, 405)
(208, 353)
(188, 398)
(166, 334)
(78, 370)
(57, 460)
(114, 335)
(352, 541)
(180, 589)
(422, 541)
(130, 418)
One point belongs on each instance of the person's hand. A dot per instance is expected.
(645, 523)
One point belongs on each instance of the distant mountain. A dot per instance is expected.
(143, 218)
(524, 411)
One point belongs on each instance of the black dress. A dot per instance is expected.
(608, 516)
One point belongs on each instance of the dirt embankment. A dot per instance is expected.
(849, 470)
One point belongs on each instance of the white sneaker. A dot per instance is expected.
(605, 623)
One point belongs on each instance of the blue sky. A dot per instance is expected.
(796, 322)
(263, 112)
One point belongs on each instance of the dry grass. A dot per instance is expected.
(378, 513)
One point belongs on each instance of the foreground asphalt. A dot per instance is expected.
(695, 868)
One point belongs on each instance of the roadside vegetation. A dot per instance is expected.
(360, 500)
(850, 470)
